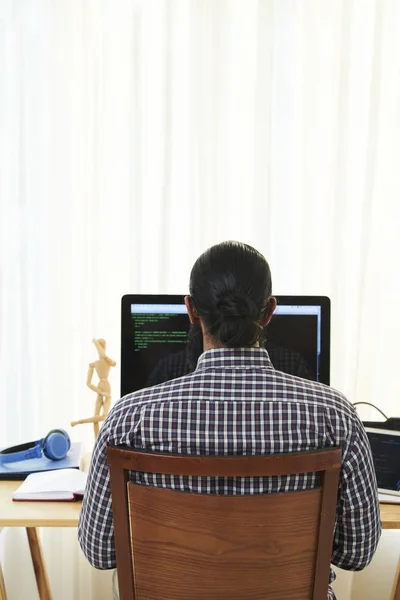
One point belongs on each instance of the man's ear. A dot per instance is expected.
(271, 306)
(193, 316)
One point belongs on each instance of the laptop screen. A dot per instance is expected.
(155, 333)
(385, 448)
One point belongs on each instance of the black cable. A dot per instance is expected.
(373, 406)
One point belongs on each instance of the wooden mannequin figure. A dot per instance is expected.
(103, 389)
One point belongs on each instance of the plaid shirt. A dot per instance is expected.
(176, 365)
(237, 403)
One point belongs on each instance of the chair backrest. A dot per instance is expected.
(174, 545)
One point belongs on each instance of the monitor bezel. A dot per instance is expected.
(126, 328)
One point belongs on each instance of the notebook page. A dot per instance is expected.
(389, 499)
(63, 480)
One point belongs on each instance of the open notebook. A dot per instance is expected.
(64, 484)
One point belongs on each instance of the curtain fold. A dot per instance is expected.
(135, 134)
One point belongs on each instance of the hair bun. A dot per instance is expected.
(233, 305)
(238, 320)
(235, 333)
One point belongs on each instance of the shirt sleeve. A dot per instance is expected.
(358, 524)
(96, 530)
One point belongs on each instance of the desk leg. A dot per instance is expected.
(3, 593)
(38, 564)
(396, 585)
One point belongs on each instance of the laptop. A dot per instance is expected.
(385, 447)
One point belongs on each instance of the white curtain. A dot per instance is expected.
(134, 134)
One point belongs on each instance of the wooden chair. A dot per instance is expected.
(173, 545)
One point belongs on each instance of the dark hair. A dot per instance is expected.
(230, 285)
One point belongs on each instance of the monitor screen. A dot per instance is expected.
(155, 333)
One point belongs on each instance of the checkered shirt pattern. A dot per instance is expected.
(236, 403)
(176, 365)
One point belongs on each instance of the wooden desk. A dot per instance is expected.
(66, 514)
(35, 514)
(31, 515)
(390, 516)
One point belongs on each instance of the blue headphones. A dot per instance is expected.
(54, 446)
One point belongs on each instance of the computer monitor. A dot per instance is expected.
(154, 332)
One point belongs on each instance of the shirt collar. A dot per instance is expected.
(234, 358)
